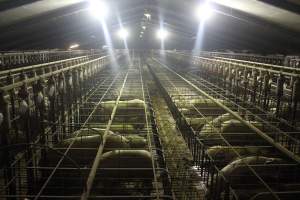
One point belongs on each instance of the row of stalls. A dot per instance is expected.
(85, 130)
(234, 143)
(11, 59)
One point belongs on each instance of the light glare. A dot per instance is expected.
(161, 34)
(204, 11)
(98, 9)
(123, 33)
(74, 46)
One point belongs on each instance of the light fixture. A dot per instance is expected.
(144, 27)
(162, 34)
(98, 9)
(204, 11)
(148, 16)
(74, 46)
(123, 33)
(142, 32)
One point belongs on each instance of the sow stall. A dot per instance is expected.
(237, 154)
(82, 131)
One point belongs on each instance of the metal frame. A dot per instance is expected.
(267, 59)
(75, 96)
(30, 115)
(179, 89)
(11, 59)
(269, 88)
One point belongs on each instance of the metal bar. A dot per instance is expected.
(92, 174)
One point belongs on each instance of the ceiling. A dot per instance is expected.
(271, 11)
(265, 26)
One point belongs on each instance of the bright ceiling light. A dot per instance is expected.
(98, 9)
(162, 34)
(123, 33)
(204, 11)
(148, 16)
(74, 46)
(144, 27)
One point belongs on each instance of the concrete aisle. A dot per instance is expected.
(185, 181)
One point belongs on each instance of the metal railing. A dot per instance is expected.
(95, 103)
(14, 59)
(273, 88)
(180, 92)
